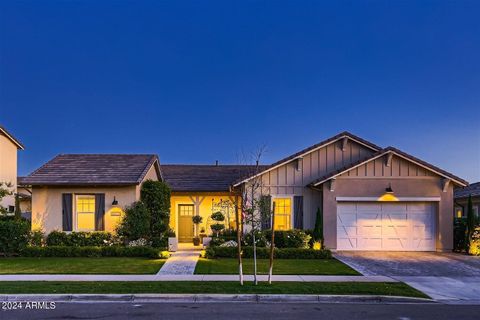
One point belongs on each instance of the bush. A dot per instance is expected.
(37, 238)
(260, 239)
(156, 197)
(459, 234)
(14, 236)
(474, 248)
(80, 239)
(113, 251)
(264, 253)
(135, 223)
(289, 239)
(218, 216)
(216, 241)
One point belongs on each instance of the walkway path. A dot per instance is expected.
(180, 263)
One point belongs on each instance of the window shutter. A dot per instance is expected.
(67, 211)
(100, 212)
(265, 209)
(298, 212)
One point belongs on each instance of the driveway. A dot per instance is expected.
(447, 277)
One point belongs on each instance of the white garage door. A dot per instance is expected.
(386, 226)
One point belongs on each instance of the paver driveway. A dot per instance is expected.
(447, 277)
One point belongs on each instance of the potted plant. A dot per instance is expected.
(196, 221)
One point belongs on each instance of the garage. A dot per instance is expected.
(386, 226)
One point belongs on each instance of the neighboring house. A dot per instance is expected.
(9, 146)
(24, 198)
(86, 192)
(202, 190)
(461, 200)
(371, 198)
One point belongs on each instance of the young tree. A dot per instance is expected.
(272, 245)
(470, 221)
(318, 230)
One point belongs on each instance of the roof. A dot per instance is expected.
(397, 152)
(473, 190)
(312, 148)
(93, 169)
(12, 138)
(206, 178)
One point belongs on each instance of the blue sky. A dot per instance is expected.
(197, 81)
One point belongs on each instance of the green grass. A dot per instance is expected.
(360, 288)
(80, 265)
(280, 266)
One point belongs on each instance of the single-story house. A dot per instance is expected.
(372, 198)
(461, 200)
(87, 192)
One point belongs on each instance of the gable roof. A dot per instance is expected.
(396, 152)
(14, 140)
(94, 169)
(473, 189)
(206, 178)
(312, 148)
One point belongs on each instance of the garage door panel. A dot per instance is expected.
(386, 226)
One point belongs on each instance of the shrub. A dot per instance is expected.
(474, 248)
(156, 197)
(290, 239)
(112, 251)
(217, 227)
(264, 253)
(14, 235)
(216, 241)
(135, 223)
(318, 230)
(459, 234)
(197, 219)
(218, 216)
(260, 239)
(37, 238)
(80, 239)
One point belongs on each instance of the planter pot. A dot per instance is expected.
(196, 241)
(206, 241)
(172, 244)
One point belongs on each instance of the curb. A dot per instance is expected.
(216, 298)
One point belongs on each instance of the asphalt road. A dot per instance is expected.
(245, 311)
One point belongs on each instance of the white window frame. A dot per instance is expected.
(76, 212)
(292, 215)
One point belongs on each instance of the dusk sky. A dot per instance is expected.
(199, 81)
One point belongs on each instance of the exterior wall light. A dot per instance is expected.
(114, 202)
(389, 189)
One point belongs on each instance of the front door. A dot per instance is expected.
(185, 223)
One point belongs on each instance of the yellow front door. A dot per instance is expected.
(185, 223)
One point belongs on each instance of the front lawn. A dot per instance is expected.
(103, 265)
(280, 266)
(358, 288)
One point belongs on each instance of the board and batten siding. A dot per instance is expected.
(287, 180)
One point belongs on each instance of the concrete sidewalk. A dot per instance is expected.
(180, 263)
(194, 277)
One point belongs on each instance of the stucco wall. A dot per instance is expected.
(8, 168)
(47, 204)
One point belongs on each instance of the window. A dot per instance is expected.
(458, 212)
(85, 213)
(185, 209)
(283, 213)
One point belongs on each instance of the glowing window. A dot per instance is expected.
(185, 209)
(283, 213)
(85, 213)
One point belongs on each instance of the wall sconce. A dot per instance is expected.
(114, 202)
(389, 189)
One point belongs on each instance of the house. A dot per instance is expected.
(86, 192)
(372, 198)
(461, 200)
(9, 146)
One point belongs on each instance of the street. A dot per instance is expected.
(231, 311)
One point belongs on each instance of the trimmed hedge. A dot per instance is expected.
(80, 239)
(113, 251)
(264, 253)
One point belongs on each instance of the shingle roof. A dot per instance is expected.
(473, 189)
(12, 138)
(379, 153)
(93, 169)
(311, 148)
(209, 178)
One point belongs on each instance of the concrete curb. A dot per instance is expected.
(215, 298)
